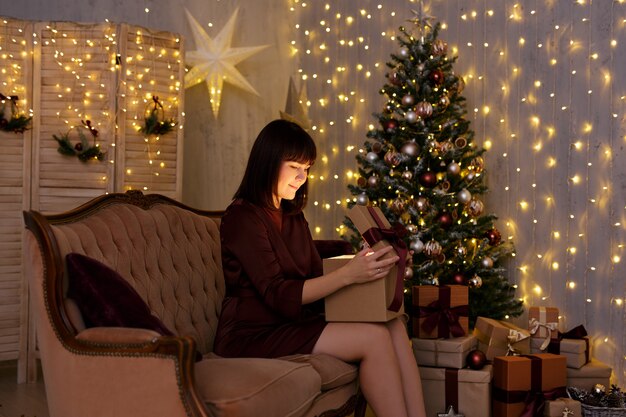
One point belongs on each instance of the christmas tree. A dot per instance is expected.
(423, 169)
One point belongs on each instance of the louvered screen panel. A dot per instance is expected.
(75, 79)
(152, 67)
(14, 191)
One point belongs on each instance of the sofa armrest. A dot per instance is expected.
(117, 336)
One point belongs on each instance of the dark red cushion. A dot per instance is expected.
(105, 298)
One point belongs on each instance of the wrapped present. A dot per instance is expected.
(468, 391)
(521, 384)
(595, 372)
(445, 353)
(562, 407)
(574, 345)
(543, 323)
(440, 311)
(499, 338)
(379, 300)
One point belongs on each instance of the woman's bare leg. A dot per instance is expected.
(380, 371)
(409, 372)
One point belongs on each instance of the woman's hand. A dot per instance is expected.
(368, 265)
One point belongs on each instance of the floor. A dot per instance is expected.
(20, 400)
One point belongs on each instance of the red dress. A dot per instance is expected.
(266, 257)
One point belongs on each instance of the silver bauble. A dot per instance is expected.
(487, 262)
(362, 199)
(408, 272)
(410, 116)
(411, 228)
(464, 196)
(421, 204)
(470, 175)
(461, 251)
(407, 175)
(404, 52)
(371, 157)
(417, 246)
(408, 100)
(373, 181)
(410, 148)
(475, 282)
(454, 168)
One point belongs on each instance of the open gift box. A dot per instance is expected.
(375, 301)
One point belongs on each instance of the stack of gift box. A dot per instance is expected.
(522, 369)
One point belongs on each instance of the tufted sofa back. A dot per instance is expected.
(168, 253)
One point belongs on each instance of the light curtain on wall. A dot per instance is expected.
(545, 92)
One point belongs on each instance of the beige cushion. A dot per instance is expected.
(245, 386)
(334, 372)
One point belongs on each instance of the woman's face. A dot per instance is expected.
(290, 178)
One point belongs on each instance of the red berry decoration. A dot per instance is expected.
(78, 147)
(437, 76)
(493, 236)
(428, 179)
(459, 279)
(476, 359)
(390, 125)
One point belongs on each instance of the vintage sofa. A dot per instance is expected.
(170, 255)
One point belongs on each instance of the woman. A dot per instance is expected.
(275, 285)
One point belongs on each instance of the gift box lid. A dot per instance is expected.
(452, 345)
(593, 369)
(480, 376)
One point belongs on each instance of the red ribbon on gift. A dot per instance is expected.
(375, 235)
(439, 314)
(452, 388)
(579, 332)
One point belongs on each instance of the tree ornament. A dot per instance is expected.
(459, 85)
(397, 206)
(408, 273)
(598, 389)
(371, 157)
(453, 168)
(410, 148)
(390, 125)
(444, 102)
(477, 164)
(445, 220)
(460, 142)
(493, 236)
(410, 116)
(464, 196)
(154, 121)
(377, 147)
(407, 175)
(470, 175)
(459, 279)
(475, 282)
(408, 100)
(394, 78)
(461, 251)
(417, 246)
(411, 228)
(422, 204)
(404, 52)
(439, 47)
(392, 158)
(362, 199)
(437, 76)
(424, 109)
(432, 249)
(475, 207)
(428, 179)
(372, 181)
(476, 359)
(446, 147)
(487, 262)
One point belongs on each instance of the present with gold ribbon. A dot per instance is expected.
(574, 344)
(590, 374)
(500, 338)
(543, 323)
(445, 353)
(375, 301)
(440, 311)
(522, 384)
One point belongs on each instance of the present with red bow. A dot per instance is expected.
(500, 338)
(522, 384)
(543, 323)
(440, 311)
(375, 301)
(574, 344)
(446, 353)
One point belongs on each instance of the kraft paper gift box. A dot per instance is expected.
(444, 353)
(514, 377)
(595, 372)
(575, 345)
(543, 323)
(440, 311)
(496, 337)
(467, 390)
(376, 301)
(556, 408)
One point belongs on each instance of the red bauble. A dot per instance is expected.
(445, 220)
(437, 76)
(390, 125)
(394, 78)
(493, 236)
(459, 279)
(476, 359)
(361, 182)
(428, 179)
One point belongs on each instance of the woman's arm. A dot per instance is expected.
(366, 266)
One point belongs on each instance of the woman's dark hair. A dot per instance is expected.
(279, 141)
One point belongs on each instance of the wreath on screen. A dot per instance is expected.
(11, 119)
(154, 122)
(84, 149)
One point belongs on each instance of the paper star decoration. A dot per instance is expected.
(214, 61)
(296, 108)
(450, 413)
